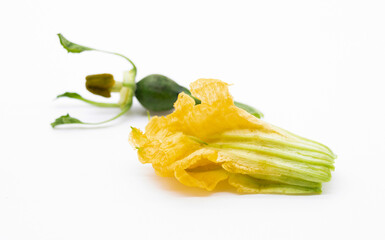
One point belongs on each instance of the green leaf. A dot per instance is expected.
(72, 47)
(76, 48)
(66, 119)
(77, 96)
(70, 95)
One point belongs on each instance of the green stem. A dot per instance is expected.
(286, 163)
(124, 110)
(255, 163)
(100, 104)
(249, 184)
(79, 97)
(281, 153)
(267, 141)
(315, 143)
(286, 180)
(120, 55)
(128, 90)
(130, 85)
(67, 119)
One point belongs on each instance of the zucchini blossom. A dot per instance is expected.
(202, 145)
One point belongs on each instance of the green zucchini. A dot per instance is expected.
(158, 93)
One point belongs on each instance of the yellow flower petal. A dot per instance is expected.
(201, 145)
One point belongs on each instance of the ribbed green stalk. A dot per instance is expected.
(278, 162)
(258, 162)
(249, 184)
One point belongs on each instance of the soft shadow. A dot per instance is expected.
(161, 113)
(328, 188)
(172, 185)
(69, 127)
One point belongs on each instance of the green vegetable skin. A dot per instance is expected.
(155, 92)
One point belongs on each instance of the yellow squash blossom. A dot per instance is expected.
(202, 145)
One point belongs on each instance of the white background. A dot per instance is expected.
(315, 68)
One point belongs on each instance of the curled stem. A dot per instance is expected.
(79, 97)
(127, 90)
(67, 119)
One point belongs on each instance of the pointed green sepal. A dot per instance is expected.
(249, 109)
(72, 47)
(66, 119)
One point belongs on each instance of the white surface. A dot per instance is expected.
(315, 68)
